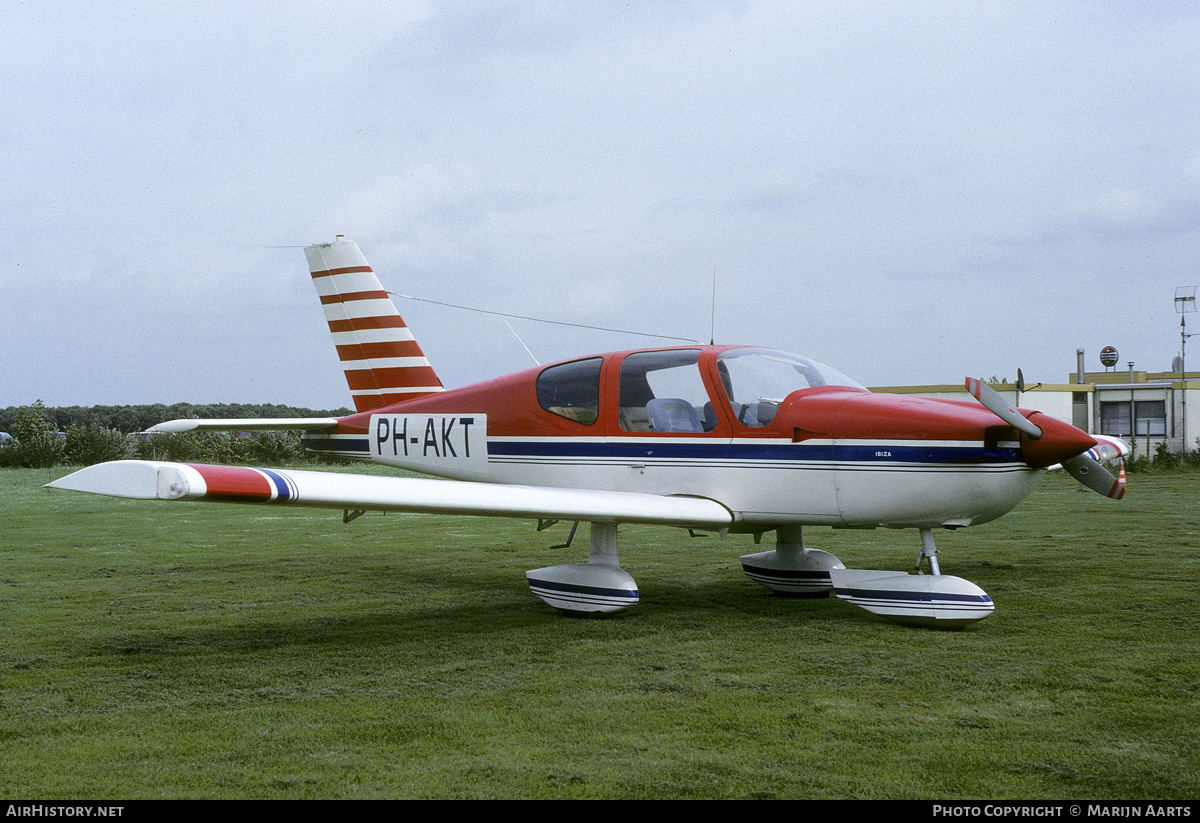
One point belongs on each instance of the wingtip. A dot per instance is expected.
(134, 479)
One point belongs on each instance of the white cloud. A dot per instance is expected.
(600, 160)
(1117, 212)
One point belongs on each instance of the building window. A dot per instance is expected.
(1114, 419)
(1079, 411)
(1151, 418)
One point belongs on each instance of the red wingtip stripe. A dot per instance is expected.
(235, 483)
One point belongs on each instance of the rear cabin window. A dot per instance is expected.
(572, 390)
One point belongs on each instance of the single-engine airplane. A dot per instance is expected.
(728, 438)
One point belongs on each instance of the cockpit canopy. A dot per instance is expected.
(757, 380)
(663, 390)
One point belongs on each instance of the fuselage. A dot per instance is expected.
(776, 438)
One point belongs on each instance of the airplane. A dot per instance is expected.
(732, 439)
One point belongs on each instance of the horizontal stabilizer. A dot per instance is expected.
(247, 425)
(153, 480)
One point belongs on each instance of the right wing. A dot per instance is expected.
(154, 480)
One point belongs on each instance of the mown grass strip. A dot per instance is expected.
(184, 650)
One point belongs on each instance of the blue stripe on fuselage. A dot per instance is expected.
(666, 449)
(827, 452)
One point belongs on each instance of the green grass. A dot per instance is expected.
(210, 651)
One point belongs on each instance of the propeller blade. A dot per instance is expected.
(986, 395)
(1090, 473)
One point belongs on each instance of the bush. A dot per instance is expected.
(90, 444)
(1163, 460)
(193, 447)
(38, 443)
(277, 448)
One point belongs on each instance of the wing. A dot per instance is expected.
(1107, 448)
(246, 424)
(153, 480)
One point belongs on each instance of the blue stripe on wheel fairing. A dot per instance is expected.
(911, 597)
(577, 589)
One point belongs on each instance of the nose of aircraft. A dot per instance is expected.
(1059, 442)
(1046, 441)
(848, 414)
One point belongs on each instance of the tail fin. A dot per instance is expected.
(382, 361)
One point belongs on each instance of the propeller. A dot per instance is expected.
(1063, 443)
(1088, 471)
(990, 398)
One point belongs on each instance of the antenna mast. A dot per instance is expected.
(712, 327)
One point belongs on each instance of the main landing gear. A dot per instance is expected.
(931, 600)
(934, 600)
(599, 586)
(792, 569)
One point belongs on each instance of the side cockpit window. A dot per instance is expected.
(572, 390)
(662, 391)
(757, 380)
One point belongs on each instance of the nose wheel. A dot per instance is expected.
(933, 600)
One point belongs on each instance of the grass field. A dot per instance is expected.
(210, 651)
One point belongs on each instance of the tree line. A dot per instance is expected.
(74, 435)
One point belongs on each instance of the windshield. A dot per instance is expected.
(757, 380)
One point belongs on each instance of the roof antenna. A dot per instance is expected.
(712, 329)
(522, 342)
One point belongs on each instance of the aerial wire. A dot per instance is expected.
(525, 317)
(540, 319)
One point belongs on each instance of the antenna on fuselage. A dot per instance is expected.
(712, 323)
(522, 342)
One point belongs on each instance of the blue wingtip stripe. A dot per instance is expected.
(285, 487)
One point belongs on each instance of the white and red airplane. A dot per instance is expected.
(727, 438)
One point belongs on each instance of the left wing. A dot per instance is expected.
(154, 480)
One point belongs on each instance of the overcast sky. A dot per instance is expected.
(911, 192)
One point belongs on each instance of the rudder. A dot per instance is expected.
(382, 361)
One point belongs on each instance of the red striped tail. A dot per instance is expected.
(382, 361)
